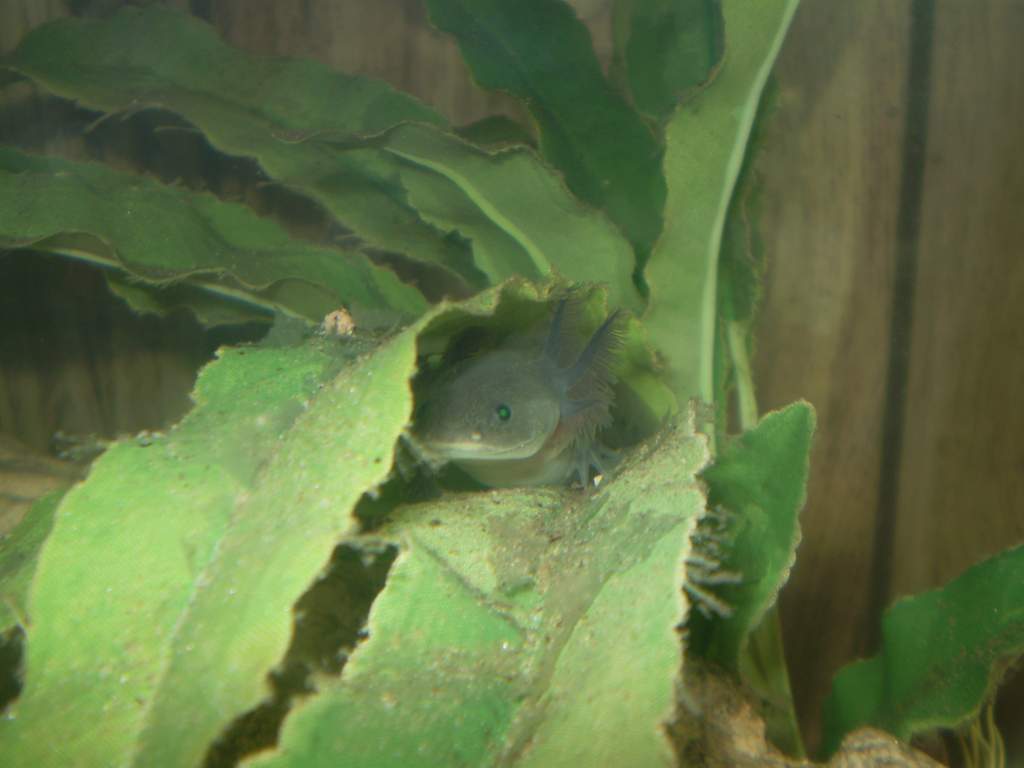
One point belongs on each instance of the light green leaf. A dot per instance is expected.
(19, 551)
(943, 653)
(521, 218)
(538, 51)
(164, 594)
(527, 628)
(760, 481)
(156, 58)
(161, 234)
(667, 49)
(706, 140)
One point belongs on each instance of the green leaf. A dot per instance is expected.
(538, 51)
(667, 49)
(706, 141)
(740, 276)
(164, 594)
(496, 132)
(209, 308)
(527, 628)
(156, 58)
(943, 653)
(18, 555)
(521, 218)
(160, 234)
(760, 481)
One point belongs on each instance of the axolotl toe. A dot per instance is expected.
(516, 417)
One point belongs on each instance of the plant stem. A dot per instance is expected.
(765, 660)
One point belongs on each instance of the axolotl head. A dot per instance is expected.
(510, 416)
(502, 405)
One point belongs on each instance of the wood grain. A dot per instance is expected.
(831, 168)
(962, 465)
(387, 39)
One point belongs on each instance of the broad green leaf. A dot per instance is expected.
(156, 58)
(159, 234)
(706, 140)
(527, 628)
(538, 51)
(518, 211)
(19, 552)
(943, 652)
(666, 49)
(163, 596)
(759, 479)
(444, 205)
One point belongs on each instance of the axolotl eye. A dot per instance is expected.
(504, 412)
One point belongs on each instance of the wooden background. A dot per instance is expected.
(894, 302)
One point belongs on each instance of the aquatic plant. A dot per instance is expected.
(267, 575)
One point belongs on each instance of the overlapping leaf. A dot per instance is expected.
(538, 51)
(18, 553)
(706, 140)
(942, 654)
(164, 593)
(666, 49)
(520, 213)
(520, 628)
(247, 105)
(161, 234)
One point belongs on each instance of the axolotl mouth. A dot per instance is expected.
(473, 449)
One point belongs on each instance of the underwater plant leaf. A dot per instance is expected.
(666, 49)
(740, 277)
(943, 653)
(538, 51)
(208, 308)
(157, 58)
(162, 234)
(520, 627)
(164, 594)
(19, 551)
(759, 479)
(706, 141)
(496, 132)
(527, 219)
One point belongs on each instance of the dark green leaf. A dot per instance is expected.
(538, 51)
(943, 653)
(209, 308)
(496, 132)
(667, 49)
(162, 234)
(155, 58)
(521, 218)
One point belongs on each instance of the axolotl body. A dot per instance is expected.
(525, 416)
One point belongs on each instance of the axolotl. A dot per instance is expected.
(525, 416)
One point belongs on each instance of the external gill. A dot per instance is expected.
(586, 390)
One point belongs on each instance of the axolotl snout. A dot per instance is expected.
(515, 417)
